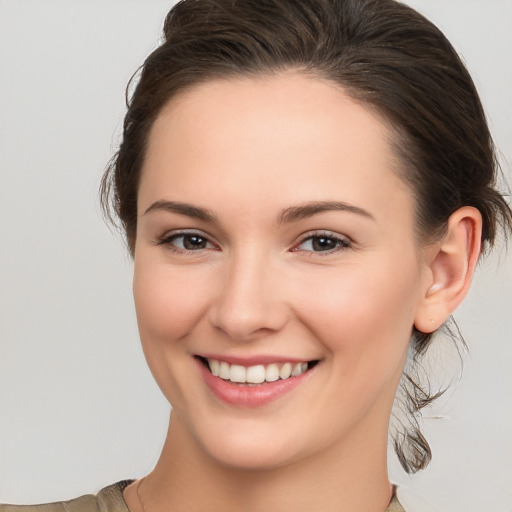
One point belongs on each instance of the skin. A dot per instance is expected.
(247, 151)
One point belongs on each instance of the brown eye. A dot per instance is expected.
(193, 242)
(186, 242)
(323, 243)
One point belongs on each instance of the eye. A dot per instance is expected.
(323, 242)
(185, 242)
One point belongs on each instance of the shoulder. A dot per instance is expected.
(109, 499)
(394, 504)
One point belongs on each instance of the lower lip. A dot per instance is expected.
(241, 395)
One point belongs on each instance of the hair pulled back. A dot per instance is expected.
(384, 55)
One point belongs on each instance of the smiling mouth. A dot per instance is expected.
(257, 374)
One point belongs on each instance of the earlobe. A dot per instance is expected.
(451, 265)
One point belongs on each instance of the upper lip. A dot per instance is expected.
(255, 360)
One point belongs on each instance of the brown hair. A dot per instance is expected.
(383, 54)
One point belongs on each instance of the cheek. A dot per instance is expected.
(365, 313)
(365, 324)
(168, 305)
(168, 301)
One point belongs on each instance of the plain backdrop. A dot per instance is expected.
(78, 407)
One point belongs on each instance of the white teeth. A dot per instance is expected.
(214, 367)
(237, 373)
(255, 374)
(272, 373)
(224, 370)
(286, 370)
(297, 370)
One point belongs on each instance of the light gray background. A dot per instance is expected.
(78, 408)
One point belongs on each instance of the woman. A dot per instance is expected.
(306, 189)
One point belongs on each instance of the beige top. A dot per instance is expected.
(110, 499)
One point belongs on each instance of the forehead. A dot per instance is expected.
(269, 106)
(289, 138)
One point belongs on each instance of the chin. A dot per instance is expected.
(249, 457)
(248, 448)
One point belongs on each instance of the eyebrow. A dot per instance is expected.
(303, 211)
(291, 214)
(183, 209)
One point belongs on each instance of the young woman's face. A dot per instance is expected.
(274, 236)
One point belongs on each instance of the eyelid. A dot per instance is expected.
(166, 239)
(346, 242)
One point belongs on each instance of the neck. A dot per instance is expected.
(346, 478)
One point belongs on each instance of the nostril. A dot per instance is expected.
(248, 307)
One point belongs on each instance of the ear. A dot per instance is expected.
(450, 265)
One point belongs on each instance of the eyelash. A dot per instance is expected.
(340, 242)
(169, 240)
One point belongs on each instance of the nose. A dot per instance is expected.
(250, 301)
